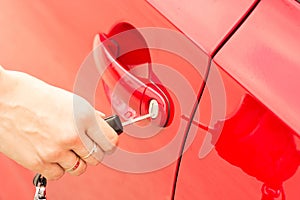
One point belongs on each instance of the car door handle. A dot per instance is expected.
(115, 54)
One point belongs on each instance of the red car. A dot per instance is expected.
(224, 75)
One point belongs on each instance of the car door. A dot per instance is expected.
(53, 41)
(256, 145)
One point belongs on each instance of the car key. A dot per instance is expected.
(114, 121)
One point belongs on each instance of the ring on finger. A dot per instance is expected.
(75, 166)
(93, 150)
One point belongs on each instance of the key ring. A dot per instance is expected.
(40, 182)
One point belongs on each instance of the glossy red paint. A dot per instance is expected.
(254, 149)
(260, 61)
(255, 140)
(207, 23)
(51, 39)
(263, 56)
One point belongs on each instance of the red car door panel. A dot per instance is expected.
(252, 147)
(257, 152)
(207, 23)
(271, 62)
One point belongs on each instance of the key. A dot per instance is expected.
(115, 122)
(40, 183)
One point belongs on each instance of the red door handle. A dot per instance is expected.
(116, 54)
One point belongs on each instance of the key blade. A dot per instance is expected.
(137, 119)
(153, 113)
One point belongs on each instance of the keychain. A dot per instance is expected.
(40, 182)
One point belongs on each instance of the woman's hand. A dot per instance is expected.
(40, 129)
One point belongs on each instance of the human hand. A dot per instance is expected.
(39, 130)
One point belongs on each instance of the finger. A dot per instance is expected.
(52, 171)
(100, 114)
(72, 164)
(88, 150)
(103, 134)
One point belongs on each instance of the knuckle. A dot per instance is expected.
(56, 175)
(37, 164)
(50, 154)
(71, 139)
(109, 148)
(111, 137)
(52, 172)
(82, 109)
(114, 140)
(110, 145)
